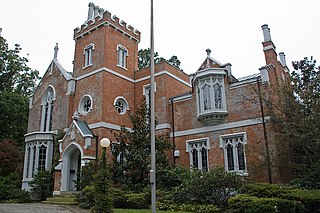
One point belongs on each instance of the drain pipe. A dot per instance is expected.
(264, 132)
(97, 148)
(173, 137)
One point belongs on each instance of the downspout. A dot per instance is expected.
(97, 147)
(173, 137)
(264, 132)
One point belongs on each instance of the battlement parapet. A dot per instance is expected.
(98, 17)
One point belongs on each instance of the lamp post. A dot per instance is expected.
(104, 142)
(102, 199)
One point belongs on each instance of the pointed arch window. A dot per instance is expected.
(42, 157)
(47, 109)
(234, 152)
(198, 153)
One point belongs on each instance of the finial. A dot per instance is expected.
(208, 52)
(75, 115)
(56, 48)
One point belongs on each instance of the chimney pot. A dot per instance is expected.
(266, 32)
(283, 59)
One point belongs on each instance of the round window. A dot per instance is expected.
(85, 105)
(121, 105)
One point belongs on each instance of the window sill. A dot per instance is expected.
(212, 117)
(122, 67)
(90, 65)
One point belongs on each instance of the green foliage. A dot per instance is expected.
(297, 112)
(86, 177)
(201, 208)
(86, 197)
(264, 189)
(137, 201)
(250, 204)
(213, 187)
(41, 185)
(15, 75)
(170, 177)
(10, 189)
(102, 191)
(309, 198)
(13, 116)
(144, 56)
(133, 170)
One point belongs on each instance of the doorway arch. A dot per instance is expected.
(71, 165)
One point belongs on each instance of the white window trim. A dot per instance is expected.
(90, 63)
(80, 107)
(235, 153)
(121, 47)
(188, 150)
(125, 101)
(46, 124)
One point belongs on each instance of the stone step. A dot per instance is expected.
(62, 199)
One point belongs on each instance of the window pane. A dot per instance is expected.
(218, 96)
(45, 116)
(204, 158)
(34, 160)
(28, 162)
(195, 158)
(206, 97)
(242, 165)
(42, 158)
(230, 157)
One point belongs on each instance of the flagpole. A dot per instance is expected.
(152, 122)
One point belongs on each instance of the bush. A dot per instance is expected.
(119, 198)
(86, 197)
(137, 201)
(309, 198)
(264, 189)
(201, 208)
(41, 185)
(213, 187)
(10, 190)
(251, 204)
(168, 178)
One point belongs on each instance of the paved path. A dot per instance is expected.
(39, 208)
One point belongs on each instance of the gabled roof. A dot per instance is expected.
(83, 128)
(66, 75)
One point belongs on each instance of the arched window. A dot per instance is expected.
(47, 109)
(42, 158)
(198, 153)
(234, 152)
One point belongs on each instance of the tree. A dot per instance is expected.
(17, 81)
(144, 59)
(133, 152)
(15, 75)
(299, 121)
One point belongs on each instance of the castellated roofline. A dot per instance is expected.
(105, 19)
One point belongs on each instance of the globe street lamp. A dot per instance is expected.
(104, 142)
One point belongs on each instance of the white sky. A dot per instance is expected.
(186, 28)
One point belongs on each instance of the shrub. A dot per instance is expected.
(119, 198)
(309, 198)
(213, 187)
(10, 189)
(250, 204)
(201, 208)
(41, 185)
(170, 177)
(264, 189)
(137, 201)
(86, 197)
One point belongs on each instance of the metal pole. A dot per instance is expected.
(152, 123)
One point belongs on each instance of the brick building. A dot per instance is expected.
(213, 118)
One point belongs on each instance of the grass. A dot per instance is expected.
(138, 211)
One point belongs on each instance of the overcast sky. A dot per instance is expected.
(186, 28)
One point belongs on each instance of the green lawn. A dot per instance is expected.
(138, 211)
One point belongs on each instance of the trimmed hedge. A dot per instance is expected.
(250, 204)
(199, 208)
(309, 198)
